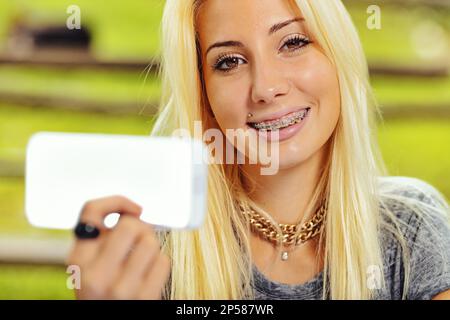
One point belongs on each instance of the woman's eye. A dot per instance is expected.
(227, 63)
(296, 43)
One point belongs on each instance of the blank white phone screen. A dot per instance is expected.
(165, 175)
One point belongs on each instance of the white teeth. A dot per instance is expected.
(282, 122)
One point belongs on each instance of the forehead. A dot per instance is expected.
(232, 18)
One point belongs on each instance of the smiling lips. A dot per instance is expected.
(283, 122)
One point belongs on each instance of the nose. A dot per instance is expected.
(269, 82)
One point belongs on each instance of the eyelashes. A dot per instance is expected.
(294, 43)
(298, 42)
(225, 59)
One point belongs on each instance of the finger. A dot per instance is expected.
(117, 246)
(156, 279)
(94, 212)
(139, 262)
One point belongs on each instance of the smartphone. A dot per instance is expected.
(164, 175)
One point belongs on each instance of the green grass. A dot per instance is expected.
(393, 43)
(86, 84)
(411, 91)
(18, 123)
(120, 30)
(32, 282)
(418, 148)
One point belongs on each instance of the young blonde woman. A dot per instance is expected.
(330, 224)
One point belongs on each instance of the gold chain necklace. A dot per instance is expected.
(289, 236)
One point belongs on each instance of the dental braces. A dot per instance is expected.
(281, 123)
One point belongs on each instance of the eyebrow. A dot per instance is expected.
(239, 44)
(281, 25)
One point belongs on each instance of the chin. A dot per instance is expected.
(293, 153)
(291, 161)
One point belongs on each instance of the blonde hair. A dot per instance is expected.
(214, 261)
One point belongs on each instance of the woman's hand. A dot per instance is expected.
(124, 262)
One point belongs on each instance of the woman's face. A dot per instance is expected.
(254, 62)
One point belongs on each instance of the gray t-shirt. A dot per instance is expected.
(428, 240)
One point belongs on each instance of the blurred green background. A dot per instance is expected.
(414, 136)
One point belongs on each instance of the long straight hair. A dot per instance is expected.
(214, 261)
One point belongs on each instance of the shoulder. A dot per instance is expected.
(410, 188)
(413, 206)
(415, 223)
(411, 200)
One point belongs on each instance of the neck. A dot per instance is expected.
(286, 194)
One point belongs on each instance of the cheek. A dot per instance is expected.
(227, 100)
(319, 82)
(318, 85)
(318, 78)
